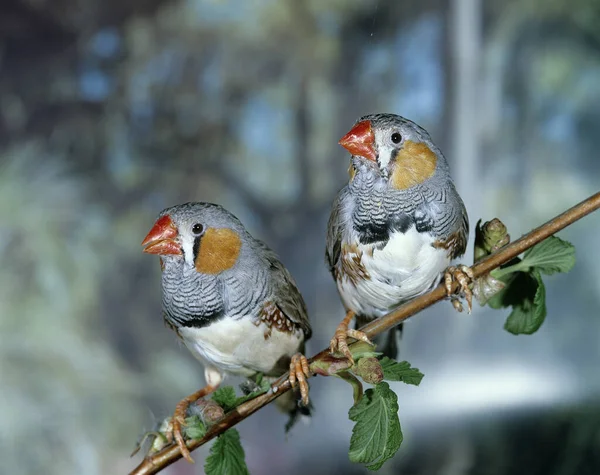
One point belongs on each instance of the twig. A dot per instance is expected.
(169, 455)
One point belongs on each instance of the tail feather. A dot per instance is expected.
(290, 403)
(298, 413)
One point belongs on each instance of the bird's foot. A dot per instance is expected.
(299, 373)
(464, 276)
(178, 420)
(339, 342)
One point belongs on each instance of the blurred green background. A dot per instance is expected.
(112, 110)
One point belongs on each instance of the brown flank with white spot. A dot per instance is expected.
(351, 265)
(456, 244)
(272, 316)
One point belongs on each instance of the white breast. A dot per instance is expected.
(406, 267)
(239, 347)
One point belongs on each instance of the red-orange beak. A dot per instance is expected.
(359, 141)
(161, 238)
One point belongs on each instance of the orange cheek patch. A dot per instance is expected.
(415, 163)
(219, 250)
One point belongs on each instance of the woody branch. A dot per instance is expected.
(169, 455)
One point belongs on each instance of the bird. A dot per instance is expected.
(394, 227)
(230, 300)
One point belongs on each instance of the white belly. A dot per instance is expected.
(239, 347)
(406, 267)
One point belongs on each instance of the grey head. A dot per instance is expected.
(385, 144)
(205, 225)
(209, 261)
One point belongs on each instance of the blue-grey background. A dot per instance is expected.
(113, 110)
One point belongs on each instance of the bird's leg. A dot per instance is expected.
(299, 372)
(178, 419)
(464, 276)
(339, 341)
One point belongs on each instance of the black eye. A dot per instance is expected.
(396, 137)
(197, 229)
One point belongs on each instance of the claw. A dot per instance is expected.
(464, 276)
(358, 335)
(456, 303)
(339, 342)
(299, 372)
(178, 420)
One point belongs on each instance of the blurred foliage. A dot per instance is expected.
(50, 353)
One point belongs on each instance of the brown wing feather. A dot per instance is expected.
(333, 248)
(287, 302)
(344, 260)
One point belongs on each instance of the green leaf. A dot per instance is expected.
(486, 287)
(512, 266)
(225, 397)
(529, 314)
(194, 428)
(394, 371)
(550, 256)
(376, 436)
(519, 286)
(226, 456)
